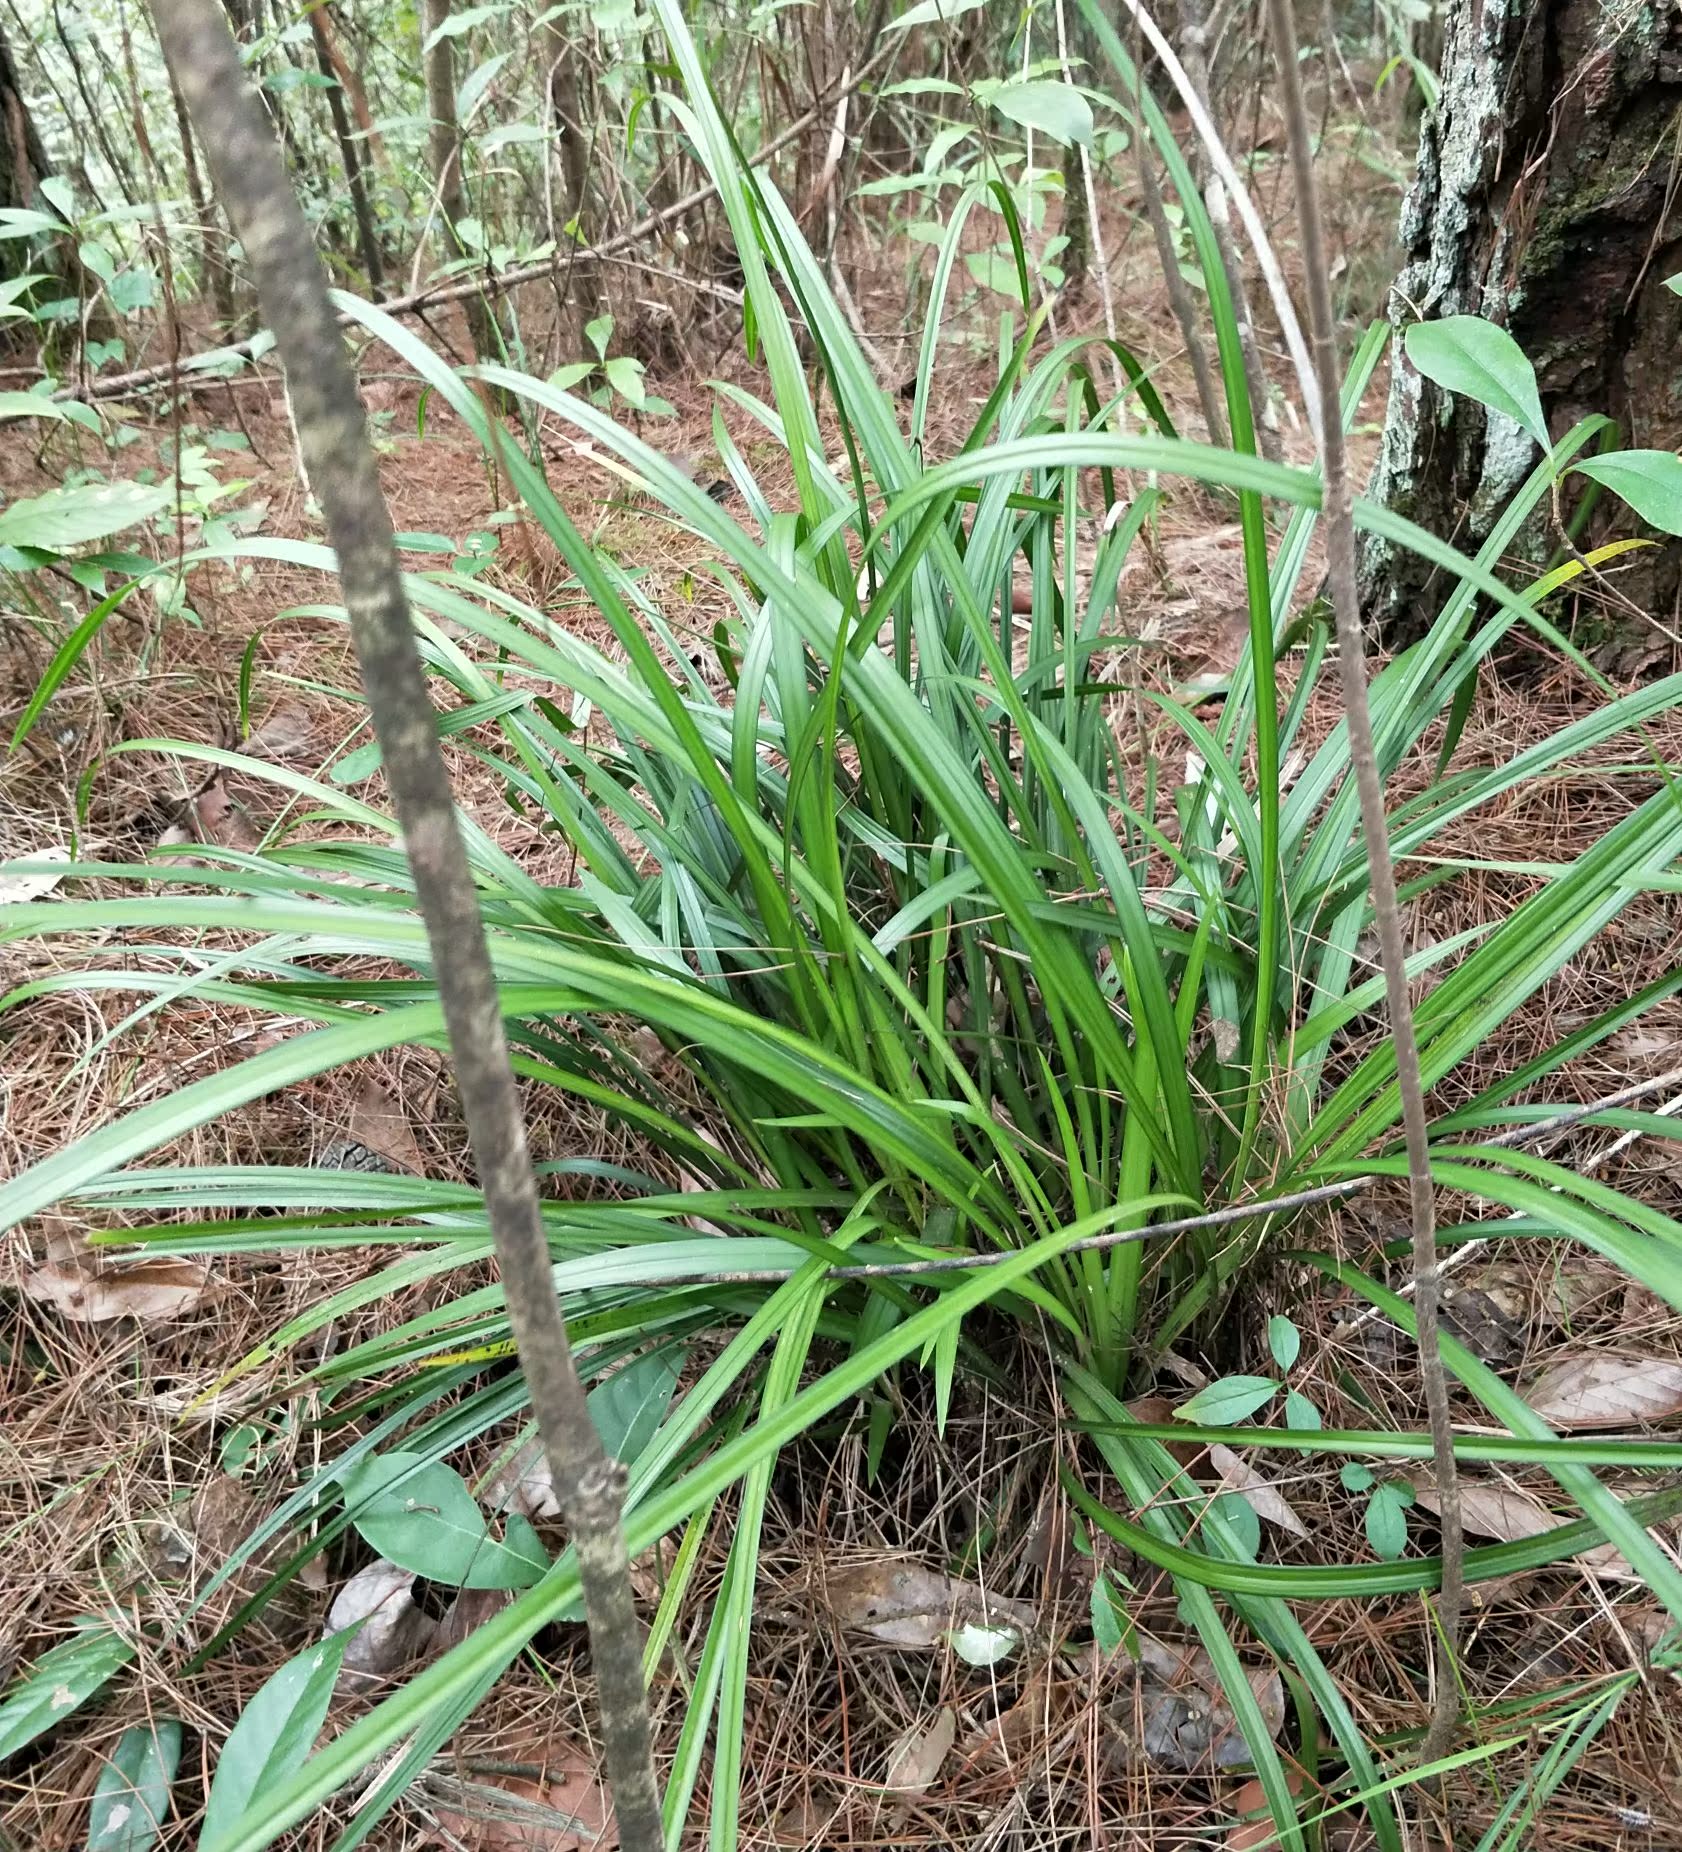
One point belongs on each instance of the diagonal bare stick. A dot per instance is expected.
(333, 433)
(1352, 667)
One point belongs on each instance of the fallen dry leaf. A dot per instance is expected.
(148, 1290)
(1506, 1514)
(469, 1611)
(379, 1125)
(16, 889)
(907, 1605)
(380, 1602)
(525, 1483)
(1185, 1717)
(1024, 1729)
(1497, 1511)
(1158, 1410)
(221, 820)
(1262, 1496)
(568, 1812)
(287, 732)
(916, 1759)
(1250, 1835)
(1595, 1389)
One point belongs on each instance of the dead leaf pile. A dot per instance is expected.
(149, 1291)
(1183, 1720)
(568, 1811)
(1598, 1389)
(906, 1605)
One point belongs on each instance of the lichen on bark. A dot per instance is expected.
(1541, 201)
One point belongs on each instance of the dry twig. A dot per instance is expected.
(333, 433)
(1351, 657)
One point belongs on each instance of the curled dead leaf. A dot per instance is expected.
(569, 1811)
(378, 1124)
(1597, 1389)
(469, 1611)
(148, 1290)
(907, 1605)
(1023, 1729)
(1507, 1514)
(1251, 1835)
(1498, 1511)
(379, 1602)
(1260, 1493)
(287, 732)
(525, 1483)
(1157, 1410)
(1184, 1717)
(915, 1761)
(221, 820)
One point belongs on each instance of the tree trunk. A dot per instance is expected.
(366, 238)
(23, 159)
(215, 273)
(444, 145)
(24, 164)
(1543, 201)
(573, 141)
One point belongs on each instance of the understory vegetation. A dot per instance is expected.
(948, 1013)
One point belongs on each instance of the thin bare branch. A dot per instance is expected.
(488, 283)
(1351, 656)
(333, 433)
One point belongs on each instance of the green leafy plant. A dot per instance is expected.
(931, 979)
(610, 376)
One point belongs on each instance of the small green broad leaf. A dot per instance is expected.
(1112, 1625)
(1649, 480)
(624, 375)
(275, 1732)
(1387, 1524)
(1300, 1412)
(60, 1681)
(630, 1405)
(1467, 355)
(420, 1515)
(1243, 1522)
(70, 517)
(1284, 1340)
(131, 1799)
(1055, 109)
(30, 405)
(1230, 1399)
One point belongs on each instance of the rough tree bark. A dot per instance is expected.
(578, 278)
(444, 146)
(367, 238)
(23, 159)
(1545, 201)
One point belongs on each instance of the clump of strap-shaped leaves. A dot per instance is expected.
(930, 979)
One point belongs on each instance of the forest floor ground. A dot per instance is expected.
(103, 1467)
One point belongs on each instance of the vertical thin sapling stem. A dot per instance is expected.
(251, 179)
(1338, 517)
